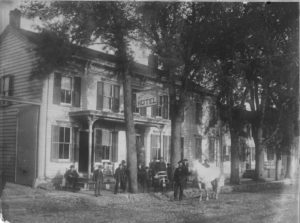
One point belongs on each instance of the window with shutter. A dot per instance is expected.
(61, 143)
(105, 145)
(66, 90)
(108, 97)
(162, 107)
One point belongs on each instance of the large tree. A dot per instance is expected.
(176, 33)
(269, 67)
(109, 23)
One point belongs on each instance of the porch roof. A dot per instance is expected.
(119, 117)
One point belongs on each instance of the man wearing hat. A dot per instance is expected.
(98, 178)
(179, 180)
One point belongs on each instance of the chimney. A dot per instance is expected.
(15, 18)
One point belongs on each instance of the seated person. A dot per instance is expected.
(71, 176)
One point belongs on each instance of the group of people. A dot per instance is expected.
(177, 181)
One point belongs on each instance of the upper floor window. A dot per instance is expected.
(67, 90)
(106, 145)
(108, 96)
(162, 107)
(142, 111)
(6, 85)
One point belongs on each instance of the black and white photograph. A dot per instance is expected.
(149, 111)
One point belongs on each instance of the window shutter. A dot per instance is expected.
(166, 146)
(116, 99)
(76, 91)
(154, 111)
(99, 95)
(165, 107)
(74, 149)
(11, 85)
(57, 88)
(55, 142)
(152, 149)
(114, 151)
(97, 145)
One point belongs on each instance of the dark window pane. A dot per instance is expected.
(61, 151)
(68, 97)
(66, 151)
(62, 96)
(67, 135)
(61, 134)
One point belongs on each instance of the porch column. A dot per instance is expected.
(91, 121)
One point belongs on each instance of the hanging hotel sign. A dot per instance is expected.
(146, 99)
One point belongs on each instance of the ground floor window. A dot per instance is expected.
(105, 145)
(155, 152)
(61, 143)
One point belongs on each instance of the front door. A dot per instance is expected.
(27, 140)
(83, 151)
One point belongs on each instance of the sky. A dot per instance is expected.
(141, 55)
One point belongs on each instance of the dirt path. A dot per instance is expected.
(28, 205)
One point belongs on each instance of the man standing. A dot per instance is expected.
(98, 178)
(124, 177)
(179, 180)
(169, 173)
(118, 177)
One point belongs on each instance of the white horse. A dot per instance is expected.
(211, 177)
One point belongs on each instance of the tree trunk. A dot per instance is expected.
(277, 158)
(176, 120)
(235, 159)
(130, 135)
(288, 166)
(259, 154)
